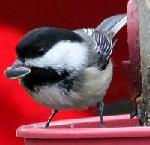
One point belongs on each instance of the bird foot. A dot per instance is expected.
(47, 125)
(133, 113)
(101, 125)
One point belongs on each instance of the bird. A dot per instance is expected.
(67, 69)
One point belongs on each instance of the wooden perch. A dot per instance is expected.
(144, 27)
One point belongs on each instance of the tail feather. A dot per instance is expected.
(113, 24)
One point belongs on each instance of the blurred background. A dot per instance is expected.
(18, 17)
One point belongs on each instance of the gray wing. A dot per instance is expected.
(101, 40)
(100, 46)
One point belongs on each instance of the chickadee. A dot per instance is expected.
(65, 69)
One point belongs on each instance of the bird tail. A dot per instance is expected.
(113, 24)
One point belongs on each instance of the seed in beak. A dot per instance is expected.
(17, 70)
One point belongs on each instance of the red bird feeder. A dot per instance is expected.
(120, 130)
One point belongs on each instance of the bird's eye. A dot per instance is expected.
(41, 51)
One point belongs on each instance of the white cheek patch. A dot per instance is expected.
(65, 54)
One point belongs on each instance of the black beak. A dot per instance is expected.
(17, 70)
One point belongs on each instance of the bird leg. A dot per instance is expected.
(133, 112)
(100, 108)
(54, 112)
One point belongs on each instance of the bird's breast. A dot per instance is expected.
(58, 98)
(86, 91)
